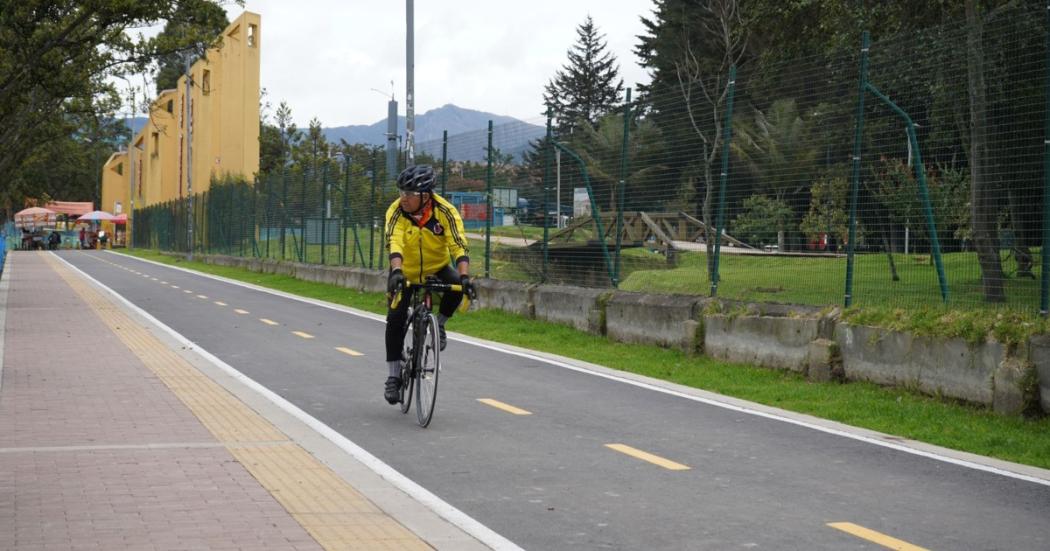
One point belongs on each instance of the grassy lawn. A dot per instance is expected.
(822, 281)
(893, 411)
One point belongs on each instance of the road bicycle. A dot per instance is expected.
(421, 356)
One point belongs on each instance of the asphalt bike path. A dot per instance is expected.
(554, 454)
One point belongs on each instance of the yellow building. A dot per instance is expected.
(116, 183)
(224, 117)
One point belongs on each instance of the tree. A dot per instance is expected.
(762, 220)
(690, 47)
(193, 22)
(55, 59)
(827, 210)
(601, 147)
(587, 87)
(277, 139)
(778, 150)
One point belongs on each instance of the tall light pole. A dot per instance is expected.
(391, 136)
(188, 57)
(410, 97)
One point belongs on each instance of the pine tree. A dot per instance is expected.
(589, 86)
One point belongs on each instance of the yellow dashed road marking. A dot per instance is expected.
(239, 311)
(646, 456)
(505, 407)
(348, 351)
(327, 507)
(875, 537)
(268, 322)
(303, 335)
(220, 303)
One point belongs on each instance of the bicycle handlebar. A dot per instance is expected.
(429, 286)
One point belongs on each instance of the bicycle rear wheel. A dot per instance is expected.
(427, 371)
(407, 377)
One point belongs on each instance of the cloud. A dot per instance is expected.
(323, 56)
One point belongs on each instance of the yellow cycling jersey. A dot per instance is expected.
(427, 245)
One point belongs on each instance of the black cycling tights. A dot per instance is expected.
(396, 318)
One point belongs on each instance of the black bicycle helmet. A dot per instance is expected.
(418, 178)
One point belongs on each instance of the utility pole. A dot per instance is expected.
(189, 152)
(410, 98)
(132, 180)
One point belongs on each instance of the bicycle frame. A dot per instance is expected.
(421, 320)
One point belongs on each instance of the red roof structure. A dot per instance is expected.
(72, 208)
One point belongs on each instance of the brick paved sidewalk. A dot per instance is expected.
(101, 446)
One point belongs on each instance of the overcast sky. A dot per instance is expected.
(323, 56)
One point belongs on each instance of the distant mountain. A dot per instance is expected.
(467, 131)
(135, 124)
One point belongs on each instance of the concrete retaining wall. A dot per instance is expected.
(665, 320)
(781, 343)
(575, 306)
(985, 373)
(1039, 355)
(798, 338)
(510, 296)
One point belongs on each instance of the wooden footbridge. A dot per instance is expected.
(658, 231)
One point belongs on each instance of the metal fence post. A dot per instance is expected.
(488, 205)
(302, 217)
(855, 185)
(723, 178)
(324, 212)
(546, 195)
(372, 213)
(624, 161)
(284, 208)
(343, 239)
(266, 210)
(1044, 293)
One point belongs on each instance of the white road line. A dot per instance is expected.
(733, 404)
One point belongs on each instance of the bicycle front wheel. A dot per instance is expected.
(406, 368)
(427, 371)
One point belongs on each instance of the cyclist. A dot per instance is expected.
(424, 234)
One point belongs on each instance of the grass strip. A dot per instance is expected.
(892, 411)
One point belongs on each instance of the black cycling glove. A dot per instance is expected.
(468, 287)
(395, 281)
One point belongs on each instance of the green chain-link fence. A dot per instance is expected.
(909, 172)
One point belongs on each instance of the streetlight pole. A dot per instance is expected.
(189, 153)
(410, 97)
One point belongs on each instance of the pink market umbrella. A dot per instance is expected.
(121, 218)
(95, 216)
(33, 215)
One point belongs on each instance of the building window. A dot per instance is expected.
(171, 106)
(120, 169)
(154, 144)
(206, 82)
(253, 34)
